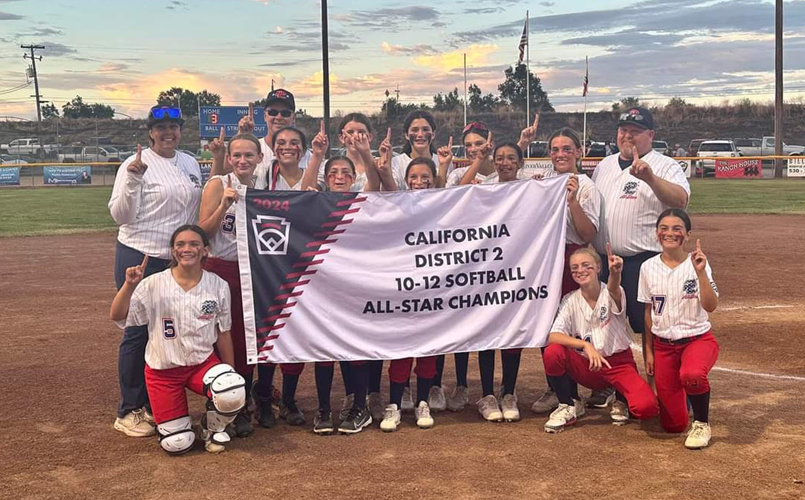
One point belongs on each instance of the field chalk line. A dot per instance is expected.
(773, 376)
(773, 306)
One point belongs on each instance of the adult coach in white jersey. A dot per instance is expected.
(637, 184)
(156, 190)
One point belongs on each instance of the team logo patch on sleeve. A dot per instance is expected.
(690, 288)
(195, 180)
(630, 190)
(208, 308)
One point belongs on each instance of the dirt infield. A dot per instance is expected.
(58, 368)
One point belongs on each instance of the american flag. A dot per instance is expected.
(523, 43)
(586, 77)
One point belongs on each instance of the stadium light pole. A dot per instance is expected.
(778, 87)
(325, 61)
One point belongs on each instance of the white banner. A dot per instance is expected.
(686, 167)
(359, 276)
(796, 167)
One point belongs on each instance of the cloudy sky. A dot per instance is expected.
(124, 53)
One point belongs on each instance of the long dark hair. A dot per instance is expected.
(512, 145)
(675, 212)
(355, 117)
(188, 227)
(415, 115)
(421, 161)
(292, 129)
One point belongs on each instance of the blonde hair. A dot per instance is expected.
(587, 250)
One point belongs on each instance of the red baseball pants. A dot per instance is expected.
(166, 388)
(399, 369)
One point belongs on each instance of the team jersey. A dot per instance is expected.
(262, 172)
(454, 177)
(603, 326)
(399, 164)
(590, 201)
(150, 207)
(676, 311)
(630, 206)
(224, 243)
(181, 324)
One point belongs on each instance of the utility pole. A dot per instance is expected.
(38, 96)
(778, 87)
(398, 93)
(325, 63)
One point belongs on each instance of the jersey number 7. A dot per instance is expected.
(658, 303)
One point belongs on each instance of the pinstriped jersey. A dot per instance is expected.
(399, 164)
(181, 324)
(630, 206)
(676, 311)
(454, 178)
(604, 326)
(223, 243)
(150, 207)
(263, 170)
(590, 201)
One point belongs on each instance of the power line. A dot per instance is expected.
(32, 57)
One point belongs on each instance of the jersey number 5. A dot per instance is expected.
(168, 328)
(658, 303)
(228, 223)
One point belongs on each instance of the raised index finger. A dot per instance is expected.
(536, 120)
(698, 246)
(321, 127)
(145, 262)
(139, 153)
(251, 110)
(635, 154)
(609, 250)
(222, 134)
(388, 135)
(450, 143)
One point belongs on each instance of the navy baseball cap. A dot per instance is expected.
(281, 95)
(637, 116)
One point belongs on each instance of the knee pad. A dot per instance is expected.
(176, 436)
(227, 391)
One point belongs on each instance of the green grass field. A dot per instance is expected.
(27, 212)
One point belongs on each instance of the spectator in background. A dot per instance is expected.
(680, 151)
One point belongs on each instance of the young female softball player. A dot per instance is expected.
(156, 190)
(508, 159)
(678, 291)
(218, 220)
(419, 128)
(590, 344)
(584, 212)
(186, 311)
(420, 174)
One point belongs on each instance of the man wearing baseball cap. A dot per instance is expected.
(637, 184)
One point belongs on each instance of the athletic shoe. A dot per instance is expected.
(579, 405)
(323, 423)
(436, 399)
(489, 408)
(149, 417)
(357, 419)
(563, 416)
(375, 405)
(407, 400)
(391, 419)
(509, 406)
(423, 418)
(293, 415)
(134, 425)
(265, 413)
(619, 413)
(458, 399)
(602, 398)
(242, 424)
(347, 403)
(210, 445)
(698, 436)
(546, 403)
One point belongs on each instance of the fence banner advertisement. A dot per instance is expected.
(588, 165)
(10, 176)
(796, 167)
(71, 176)
(739, 169)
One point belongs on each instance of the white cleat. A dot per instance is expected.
(391, 419)
(509, 407)
(698, 436)
(423, 418)
(563, 416)
(489, 409)
(436, 399)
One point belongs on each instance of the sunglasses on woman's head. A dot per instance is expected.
(284, 112)
(475, 126)
(163, 113)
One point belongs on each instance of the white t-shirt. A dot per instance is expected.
(150, 207)
(604, 327)
(181, 324)
(630, 206)
(676, 311)
(224, 243)
(399, 164)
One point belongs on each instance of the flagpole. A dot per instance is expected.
(586, 82)
(465, 89)
(527, 72)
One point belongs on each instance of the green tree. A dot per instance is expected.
(513, 90)
(393, 109)
(479, 103)
(102, 110)
(49, 111)
(448, 102)
(626, 103)
(187, 100)
(77, 108)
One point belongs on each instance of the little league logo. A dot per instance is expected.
(271, 234)
(630, 190)
(689, 289)
(603, 316)
(208, 308)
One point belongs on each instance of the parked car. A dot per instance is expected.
(89, 154)
(30, 146)
(11, 160)
(661, 147)
(749, 146)
(596, 150)
(767, 148)
(538, 149)
(716, 148)
(693, 147)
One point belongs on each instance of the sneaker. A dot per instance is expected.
(293, 415)
(579, 405)
(698, 436)
(563, 416)
(323, 423)
(489, 409)
(391, 419)
(210, 444)
(407, 400)
(602, 398)
(243, 424)
(357, 419)
(436, 399)
(347, 403)
(134, 425)
(546, 403)
(149, 417)
(423, 418)
(619, 413)
(265, 413)
(509, 406)
(375, 405)
(458, 399)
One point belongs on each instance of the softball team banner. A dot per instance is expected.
(361, 276)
